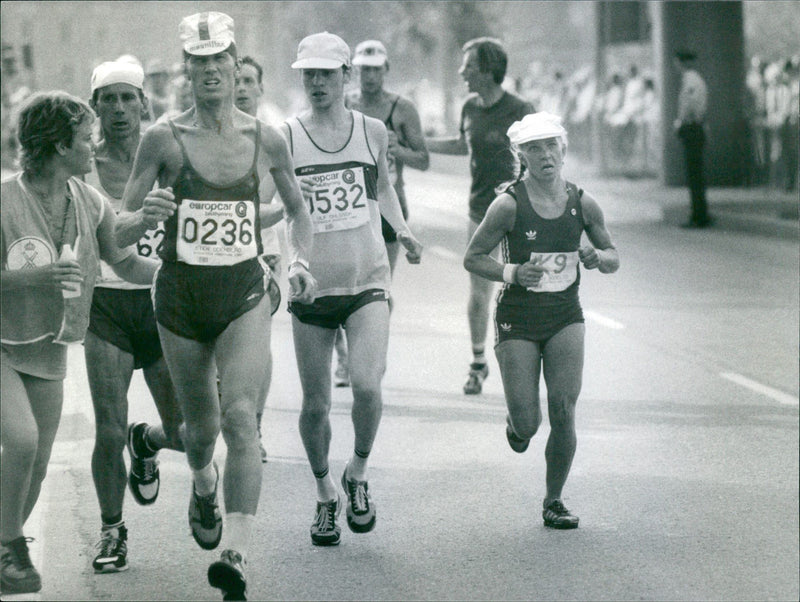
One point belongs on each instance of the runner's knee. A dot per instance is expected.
(239, 424)
(110, 437)
(561, 407)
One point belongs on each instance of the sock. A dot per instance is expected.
(236, 534)
(321, 474)
(478, 356)
(205, 479)
(112, 521)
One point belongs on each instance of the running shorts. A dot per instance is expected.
(198, 302)
(535, 325)
(333, 311)
(125, 318)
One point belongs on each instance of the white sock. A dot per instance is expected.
(205, 479)
(236, 534)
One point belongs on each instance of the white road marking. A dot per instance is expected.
(775, 394)
(603, 320)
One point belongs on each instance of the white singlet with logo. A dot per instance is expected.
(349, 255)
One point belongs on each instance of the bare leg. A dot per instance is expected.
(520, 366)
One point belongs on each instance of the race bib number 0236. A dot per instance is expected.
(561, 270)
(339, 200)
(216, 233)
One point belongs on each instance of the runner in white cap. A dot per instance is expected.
(214, 164)
(340, 158)
(539, 326)
(406, 147)
(122, 335)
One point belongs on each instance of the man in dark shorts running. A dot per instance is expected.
(122, 335)
(485, 117)
(213, 164)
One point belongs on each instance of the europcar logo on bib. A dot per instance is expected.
(241, 208)
(348, 176)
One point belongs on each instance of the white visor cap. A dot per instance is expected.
(536, 126)
(206, 33)
(322, 51)
(117, 72)
(370, 53)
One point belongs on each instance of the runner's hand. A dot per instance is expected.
(302, 285)
(589, 257)
(412, 246)
(158, 205)
(306, 186)
(393, 144)
(530, 273)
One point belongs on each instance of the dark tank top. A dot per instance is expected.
(216, 225)
(554, 242)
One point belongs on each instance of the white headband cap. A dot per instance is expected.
(206, 33)
(536, 126)
(117, 72)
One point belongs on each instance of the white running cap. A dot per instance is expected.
(322, 51)
(117, 72)
(536, 126)
(206, 33)
(370, 53)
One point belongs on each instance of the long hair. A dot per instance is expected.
(46, 120)
(492, 57)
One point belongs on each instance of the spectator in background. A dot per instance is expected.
(789, 130)
(649, 121)
(690, 127)
(156, 86)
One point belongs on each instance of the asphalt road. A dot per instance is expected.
(685, 478)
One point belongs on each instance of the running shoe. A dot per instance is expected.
(556, 516)
(113, 555)
(205, 519)
(17, 573)
(324, 530)
(227, 574)
(477, 374)
(518, 444)
(341, 376)
(144, 478)
(360, 509)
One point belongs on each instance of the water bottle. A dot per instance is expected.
(74, 288)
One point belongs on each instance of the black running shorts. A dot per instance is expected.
(333, 311)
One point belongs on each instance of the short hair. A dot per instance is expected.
(46, 120)
(96, 96)
(249, 60)
(492, 56)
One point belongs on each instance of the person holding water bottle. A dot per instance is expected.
(53, 232)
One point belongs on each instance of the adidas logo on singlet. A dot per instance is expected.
(531, 234)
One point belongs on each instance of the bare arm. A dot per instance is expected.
(603, 254)
(126, 263)
(413, 151)
(452, 145)
(143, 208)
(498, 221)
(387, 197)
(299, 232)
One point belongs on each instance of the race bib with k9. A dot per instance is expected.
(216, 233)
(561, 270)
(339, 200)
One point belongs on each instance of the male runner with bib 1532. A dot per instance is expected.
(340, 158)
(213, 163)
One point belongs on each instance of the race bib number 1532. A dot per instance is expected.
(216, 233)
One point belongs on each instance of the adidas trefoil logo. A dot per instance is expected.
(531, 234)
(505, 327)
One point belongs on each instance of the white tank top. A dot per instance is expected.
(146, 246)
(349, 255)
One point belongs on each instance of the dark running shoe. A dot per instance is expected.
(324, 530)
(113, 555)
(17, 573)
(477, 374)
(556, 516)
(205, 519)
(518, 444)
(227, 574)
(360, 509)
(144, 479)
